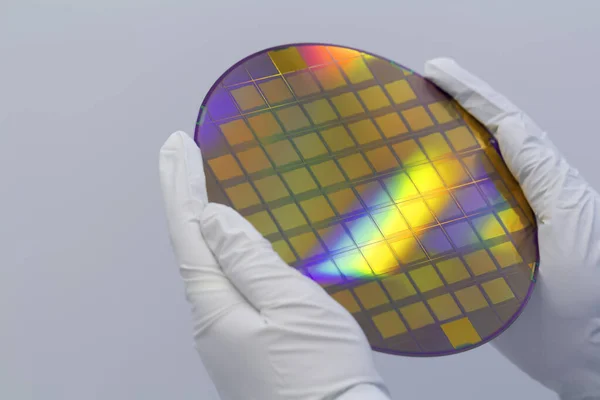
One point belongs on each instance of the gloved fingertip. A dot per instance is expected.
(180, 159)
(448, 75)
(439, 64)
(175, 142)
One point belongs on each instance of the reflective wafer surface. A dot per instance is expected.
(371, 181)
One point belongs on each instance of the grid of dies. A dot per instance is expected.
(274, 187)
(334, 171)
(288, 152)
(458, 267)
(449, 270)
(443, 290)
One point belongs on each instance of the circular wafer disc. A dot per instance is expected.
(374, 183)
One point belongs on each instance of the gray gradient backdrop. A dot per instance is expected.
(91, 305)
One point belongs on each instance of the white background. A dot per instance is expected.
(91, 305)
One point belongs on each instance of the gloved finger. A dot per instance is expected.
(529, 154)
(476, 96)
(183, 186)
(251, 263)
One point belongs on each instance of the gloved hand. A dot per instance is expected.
(263, 330)
(557, 338)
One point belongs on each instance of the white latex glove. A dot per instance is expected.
(557, 338)
(263, 330)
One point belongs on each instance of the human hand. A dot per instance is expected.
(557, 338)
(263, 330)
